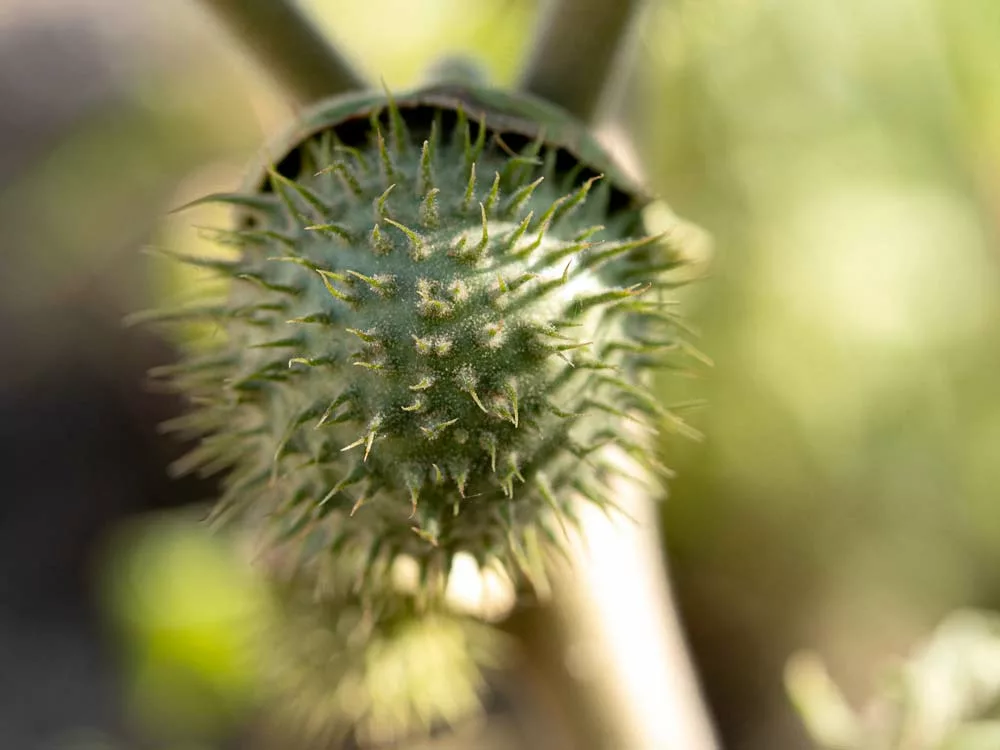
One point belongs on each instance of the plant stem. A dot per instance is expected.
(303, 62)
(621, 627)
(609, 649)
(575, 52)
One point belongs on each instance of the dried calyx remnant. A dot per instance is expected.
(377, 664)
(442, 308)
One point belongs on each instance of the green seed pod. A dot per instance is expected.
(434, 323)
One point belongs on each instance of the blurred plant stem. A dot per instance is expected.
(306, 66)
(608, 654)
(576, 50)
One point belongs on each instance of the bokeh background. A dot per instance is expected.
(844, 154)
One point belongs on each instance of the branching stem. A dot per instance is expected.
(576, 50)
(293, 51)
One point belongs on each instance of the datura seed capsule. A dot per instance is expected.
(443, 305)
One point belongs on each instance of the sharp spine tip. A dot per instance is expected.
(381, 203)
(470, 189)
(419, 249)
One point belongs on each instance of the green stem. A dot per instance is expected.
(303, 62)
(575, 52)
(607, 655)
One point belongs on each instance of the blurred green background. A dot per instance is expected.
(844, 154)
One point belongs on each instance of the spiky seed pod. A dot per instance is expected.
(433, 324)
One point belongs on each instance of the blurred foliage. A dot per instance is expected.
(189, 613)
(206, 642)
(844, 155)
(494, 32)
(946, 696)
